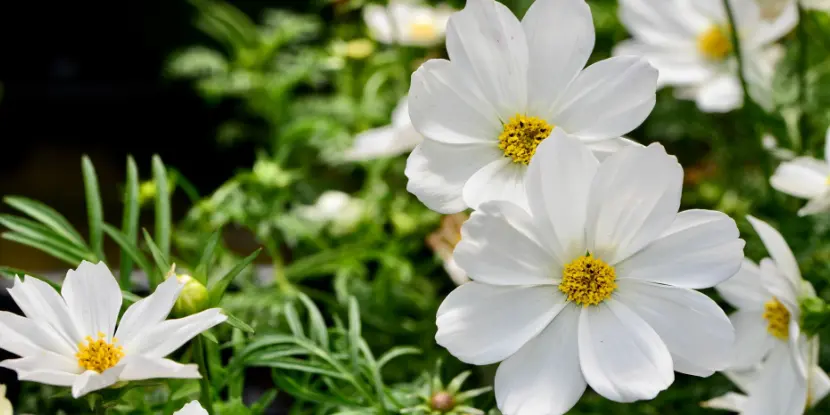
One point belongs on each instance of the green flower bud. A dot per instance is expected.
(193, 298)
(815, 315)
(442, 402)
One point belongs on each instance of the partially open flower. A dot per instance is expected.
(443, 242)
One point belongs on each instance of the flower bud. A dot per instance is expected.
(193, 298)
(442, 402)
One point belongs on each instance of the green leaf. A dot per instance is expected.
(354, 331)
(130, 249)
(94, 208)
(47, 216)
(306, 366)
(293, 320)
(129, 222)
(236, 322)
(396, 352)
(208, 335)
(319, 331)
(207, 257)
(46, 247)
(162, 206)
(456, 382)
(218, 286)
(161, 260)
(42, 233)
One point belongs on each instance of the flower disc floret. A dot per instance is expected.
(521, 136)
(778, 319)
(99, 354)
(588, 280)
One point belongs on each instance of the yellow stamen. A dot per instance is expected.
(423, 29)
(778, 319)
(99, 355)
(521, 136)
(588, 281)
(714, 43)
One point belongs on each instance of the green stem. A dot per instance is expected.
(736, 46)
(801, 33)
(206, 398)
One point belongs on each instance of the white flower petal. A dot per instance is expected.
(557, 184)
(91, 381)
(379, 23)
(802, 177)
(446, 106)
(483, 324)
(44, 362)
(674, 67)
(377, 143)
(48, 377)
(690, 324)
(778, 286)
(622, 357)
(818, 205)
(437, 172)
(608, 99)
(779, 389)
(604, 148)
(752, 341)
(720, 94)
(93, 297)
(543, 377)
(683, 365)
(27, 337)
(777, 248)
(634, 198)
(40, 302)
(661, 23)
(488, 43)
(500, 180)
(819, 385)
(147, 312)
(455, 272)
(192, 408)
(769, 32)
(501, 245)
(700, 249)
(142, 367)
(744, 379)
(165, 337)
(555, 60)
(729, 401)
(744, 289)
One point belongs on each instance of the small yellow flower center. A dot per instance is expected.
(98, 355)
(422, 29)
(714, 43)
(588, 281)
(778, 319)
(521, 136)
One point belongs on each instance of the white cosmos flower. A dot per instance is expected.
(806, 178)
(336, 209)
(689, 43)
(388, 141)
(407, 23)
(506, 86)
(192, 408)
(71, 339)
(767, 330)
(593, 284)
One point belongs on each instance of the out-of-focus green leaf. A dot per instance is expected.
(94, 208)
(129, 222)
(47, 216)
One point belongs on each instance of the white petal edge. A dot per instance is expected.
(165, 337)
(91, 381)
(142, 367)
(93, 297)
(778, 249)
(150, 311)
(192, 408)
(744, 289)
(502, 179)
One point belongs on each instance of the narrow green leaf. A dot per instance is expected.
(187, 186)
(354, 331)
(218, 286)
(305, 366)
(46, 247)
(11, 273)
(94, 208)
(47, 216)
(163, 213)
(161, 260)
(472, 393)
(42, 233)
(319, 332)
(129, 221)
(264, 402)
(293, 320)
(208, 335)
(236, 322)
(396, 352)
(207, 257)
(456, 382)
(130, 249)
(130, 297)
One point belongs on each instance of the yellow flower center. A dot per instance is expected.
(714, 43)
(98, 355)
(778, 319)
(588, 281)
(422, 29)
(521, 136)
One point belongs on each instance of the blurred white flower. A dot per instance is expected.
(772, 9)
(336, 209)
(409, 23)
(507, 85)
(823, 5)
(806, 178)
(71, 340)
(397, 138)
(770, 143)
(593, 284)
(192, 408)
(5, 404)
(690, 44)
(443, 243)
(767, 333)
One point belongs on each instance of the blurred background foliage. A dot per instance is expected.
(343, 304)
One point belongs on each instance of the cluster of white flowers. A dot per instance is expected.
(582, 271)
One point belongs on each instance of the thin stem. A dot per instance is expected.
(801, 67)
(736, 46)
(206, 398)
